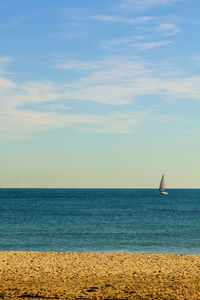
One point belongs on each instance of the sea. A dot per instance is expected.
(100, 220)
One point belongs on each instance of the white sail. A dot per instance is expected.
(162, 186)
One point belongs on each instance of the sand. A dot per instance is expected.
(51, 275)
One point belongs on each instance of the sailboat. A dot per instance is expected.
(162, 186)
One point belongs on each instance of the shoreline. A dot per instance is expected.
(92, 275)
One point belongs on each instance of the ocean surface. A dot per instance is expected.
(100, 220)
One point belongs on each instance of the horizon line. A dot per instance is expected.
(124, 188)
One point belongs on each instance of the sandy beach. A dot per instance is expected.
(51, 275)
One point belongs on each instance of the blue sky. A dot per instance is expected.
(99, 93)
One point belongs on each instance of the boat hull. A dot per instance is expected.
(163, 193)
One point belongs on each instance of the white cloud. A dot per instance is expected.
(15, 95)
(4, 60)
(115, 43)
(183, 87)
(19, 119)
(141, 20)
(71, 35)
(6, 84)
(150, 45)
(117, 19)
(169, 29)
(106, 18)
(76, 65)
(111, 83)
(118, 122)
(121, 82)
(118, 81)
(29, 107)
(143, 4)
(22, 123)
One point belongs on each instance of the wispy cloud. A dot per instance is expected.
(4, 61)
(150, 45)
(141, 20)
(144, 4)
(183, 87)
(77, 65)
(106, 18)
(71, 34)
(15, 22)
(17, 113)
(6, 84)
(118, 122)
(27, 122)
(72, 25)
(71, 30)
(74, 16)
(114, 43)
(120, 19)
(34, 92)
(31, 107)
(117, 81)
(169, 29)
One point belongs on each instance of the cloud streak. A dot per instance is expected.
(113, 81)
(105, 18)
(117, 81)
(120, 19)
(139, 5)
(169, 29)
(150, 45)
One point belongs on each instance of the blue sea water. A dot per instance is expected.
(100, 220)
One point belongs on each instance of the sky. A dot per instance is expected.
(99, 93)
